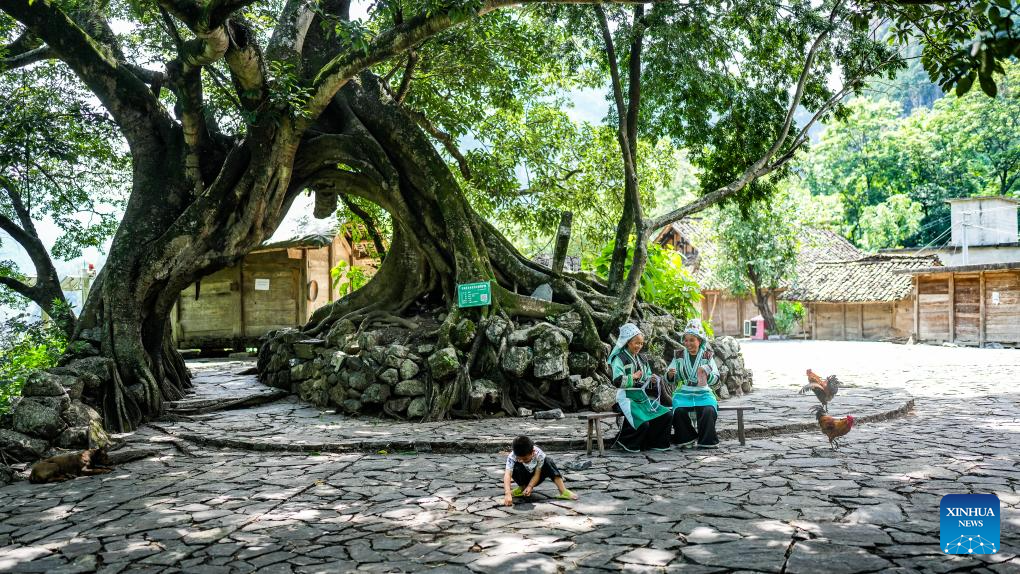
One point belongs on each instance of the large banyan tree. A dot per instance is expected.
(231, 108)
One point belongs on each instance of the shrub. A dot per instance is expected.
(26, 345)
(665, 281)
(788, 315)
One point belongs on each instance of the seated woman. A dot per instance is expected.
(647, 422)
(694, 372)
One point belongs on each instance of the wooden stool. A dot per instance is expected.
(595, 428)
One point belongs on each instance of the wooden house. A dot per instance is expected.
(967, 304)
(695, 240)
(278, 285)
(869, 298)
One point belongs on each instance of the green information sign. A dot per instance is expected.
(474, 294)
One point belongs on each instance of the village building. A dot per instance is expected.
(278, 285)
(974, 298)
(983, 230)
(731, 314)
(868, 298)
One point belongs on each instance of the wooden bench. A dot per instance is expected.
(740, 421)
(594, 428)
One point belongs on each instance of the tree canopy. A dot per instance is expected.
(448, 116)
(887, 169)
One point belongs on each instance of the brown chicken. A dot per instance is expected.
(824, 389)
(832, 427)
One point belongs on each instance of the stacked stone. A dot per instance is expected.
(360, 372)
(734, 379)
(50, 412)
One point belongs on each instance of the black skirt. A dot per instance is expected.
(653, 434)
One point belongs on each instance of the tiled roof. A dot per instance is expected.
(868, 279)
(816, 245)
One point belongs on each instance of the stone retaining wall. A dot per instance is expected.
(392, 372)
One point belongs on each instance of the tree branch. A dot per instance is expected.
(397, 39)
(137, 112)
(369, 222)
(26, 58)
(761, 166)
(405, 81)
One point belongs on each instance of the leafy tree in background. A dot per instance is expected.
(758, 249)
(855, 159)
(986, 132)
(963, 146)
(61, 159)
(890, 223)
(665, 281)
(230, 108)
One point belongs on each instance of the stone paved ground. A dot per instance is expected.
(784, 504)
(293, 425)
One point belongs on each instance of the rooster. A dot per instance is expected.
(832, 427)
(824, 389)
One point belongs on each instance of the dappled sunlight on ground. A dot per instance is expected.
(785, 503)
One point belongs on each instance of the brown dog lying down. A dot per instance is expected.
(71, 465)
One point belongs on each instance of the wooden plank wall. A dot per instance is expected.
(970, 308)
(966, 308)
(933, 308)
(318, 271)
(878, 320)
(828, 321)
(278, 307)
(211, 316)
(1002, 320)
(903, 318)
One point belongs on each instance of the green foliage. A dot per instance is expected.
(758, 246)
(665, 281)
(963, 146)
(63, 154)
(963, 41)
(26, 345)
(788, 315)
(890, 223)
(348, 278)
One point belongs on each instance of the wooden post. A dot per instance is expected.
(981, 310)
(240, 290)
(813, 309)
(844, 321)
(302, 290)
(952, 307)
(917, 308)
(562, 242)
(329, 269)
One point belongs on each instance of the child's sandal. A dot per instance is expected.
(517, 491)
(567, 495)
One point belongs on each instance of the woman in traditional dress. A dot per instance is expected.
(646, 422)
(695, 407)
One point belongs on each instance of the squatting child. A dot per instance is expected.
(528, 466)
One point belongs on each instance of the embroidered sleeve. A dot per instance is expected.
(674, 364)
(619, 374)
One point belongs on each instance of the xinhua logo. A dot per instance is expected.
(969, 524)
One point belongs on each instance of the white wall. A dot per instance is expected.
(985, 221)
